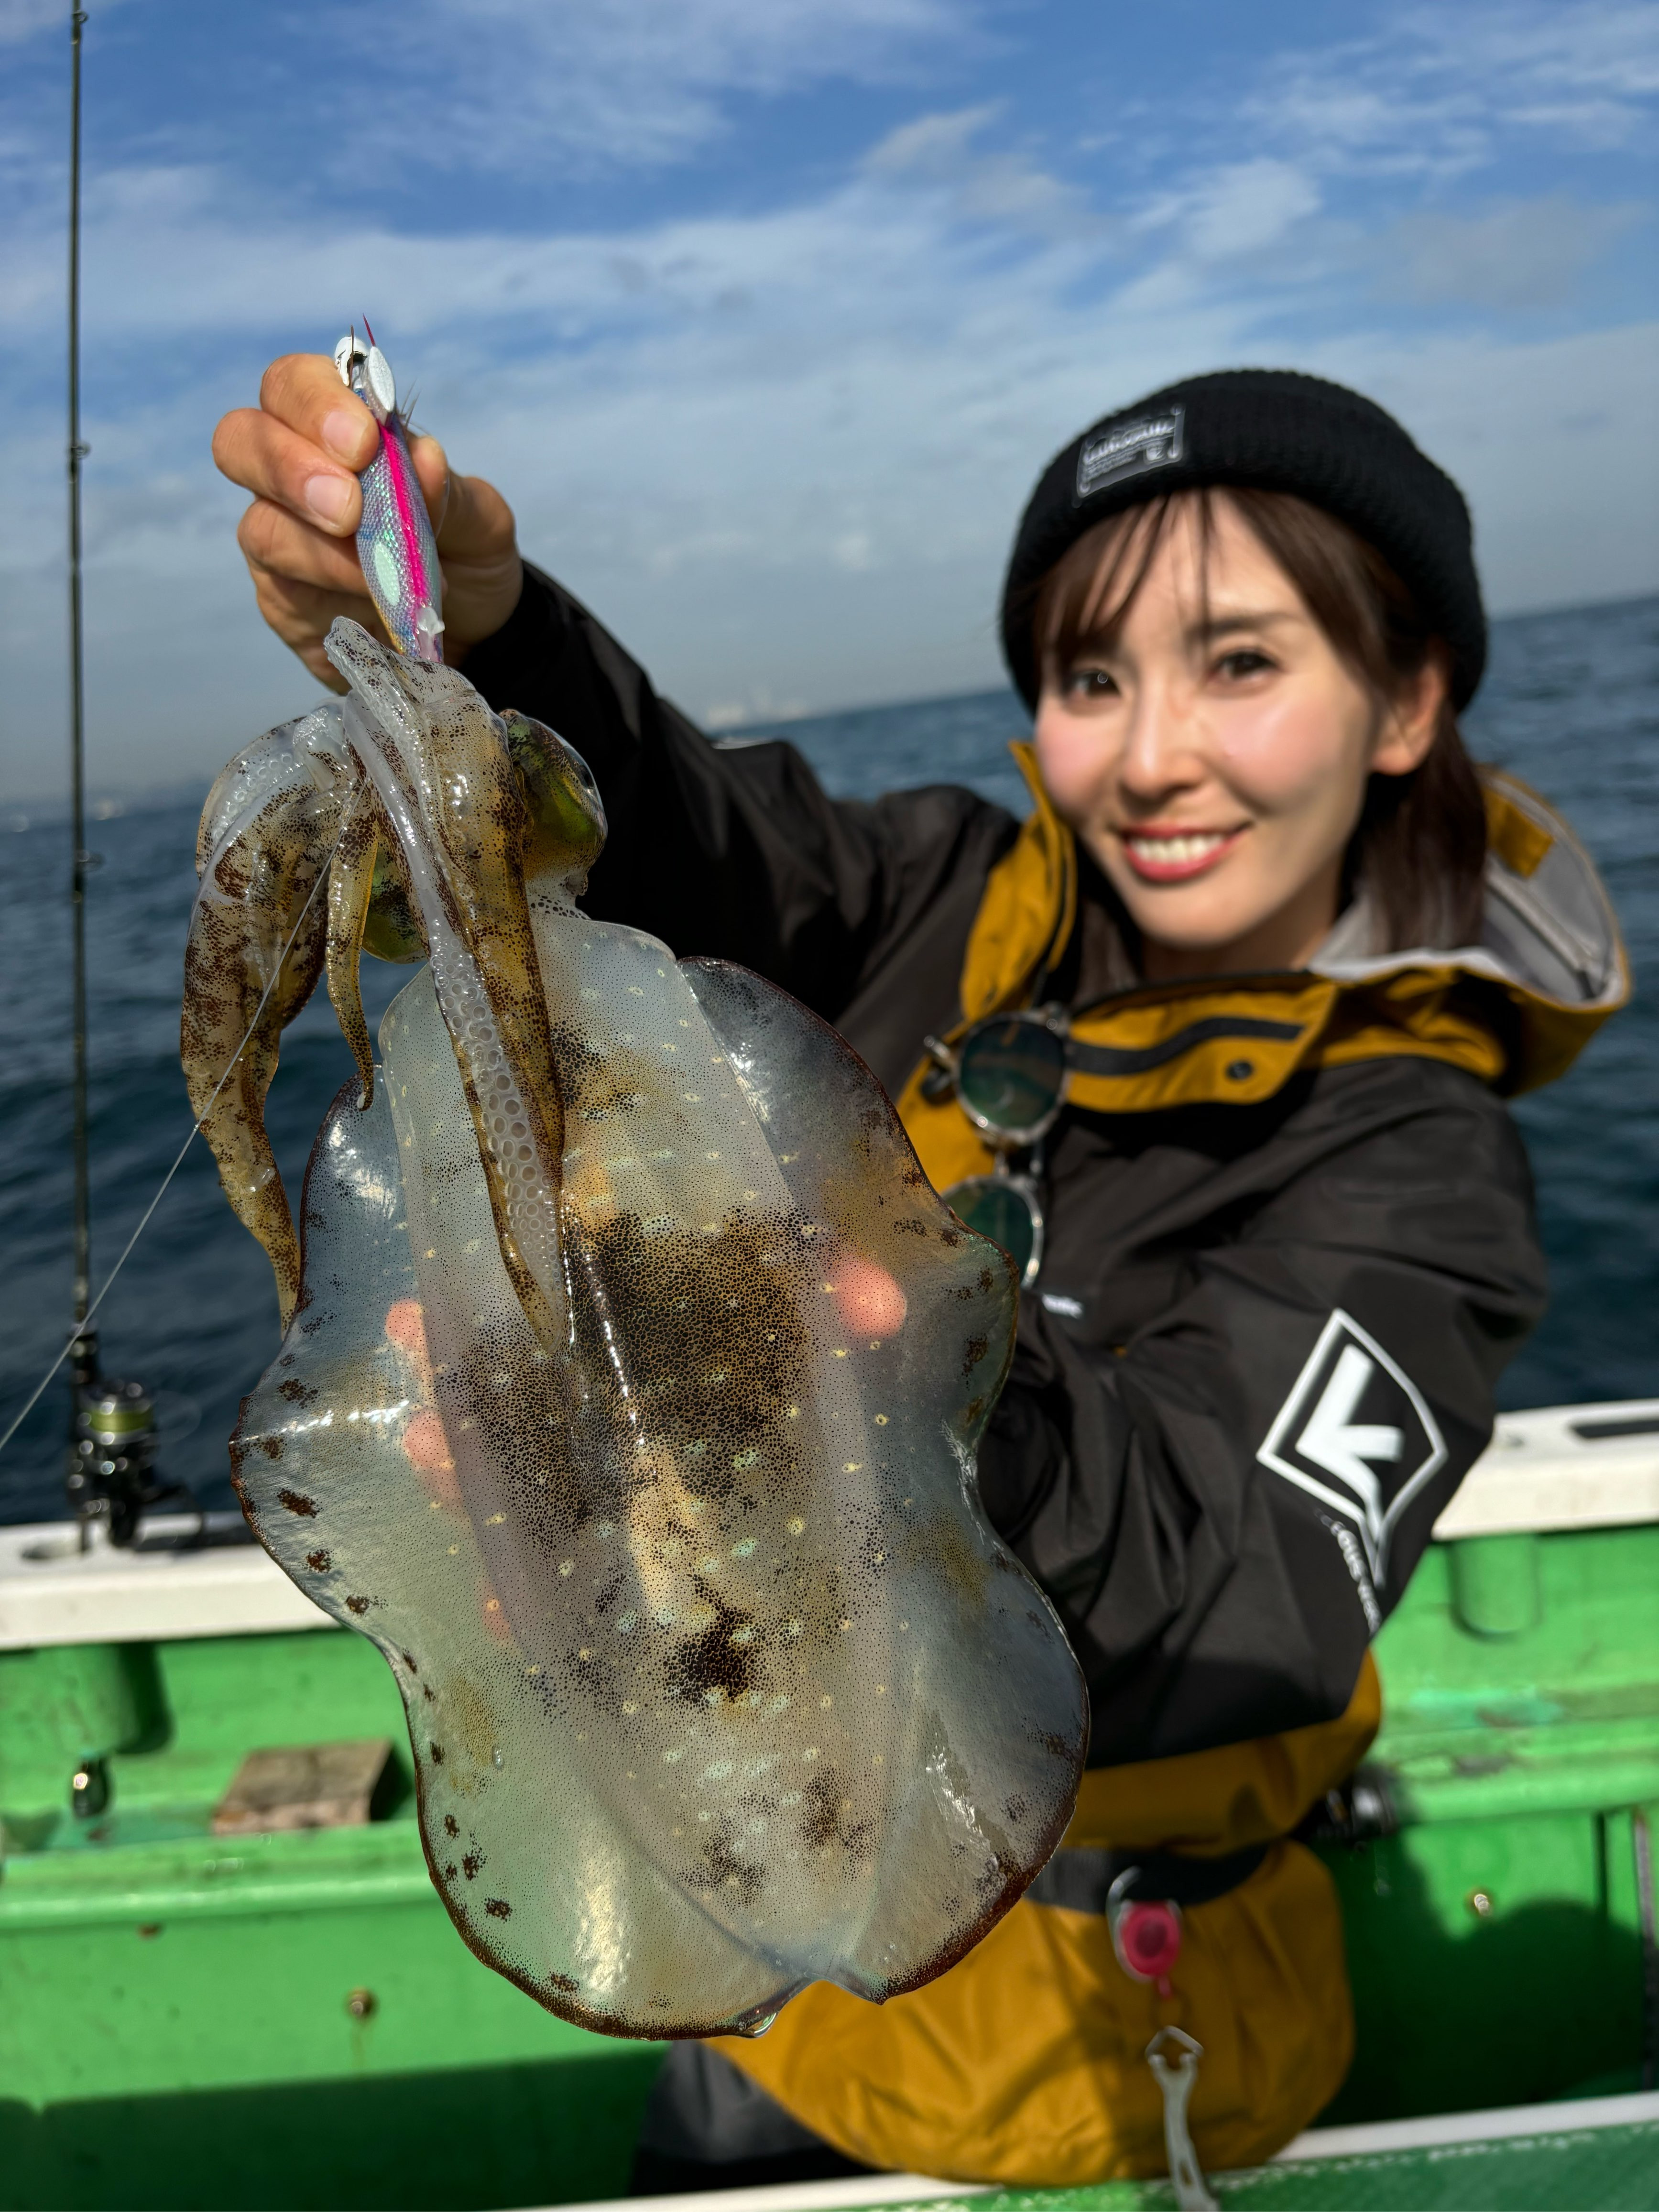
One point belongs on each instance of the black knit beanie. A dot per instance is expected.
(1284, 432)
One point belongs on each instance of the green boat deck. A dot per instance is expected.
(289, 2020)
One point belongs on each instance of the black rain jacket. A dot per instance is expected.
(1261, 1352)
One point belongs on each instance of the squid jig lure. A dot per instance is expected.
(394, 538)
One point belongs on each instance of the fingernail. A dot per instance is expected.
(342, 433)
(328, 497)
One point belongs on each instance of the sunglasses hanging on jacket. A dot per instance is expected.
(1009, 1073)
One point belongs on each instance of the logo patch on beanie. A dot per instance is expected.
(1133, 449)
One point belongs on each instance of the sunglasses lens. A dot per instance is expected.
(1012, 1073)
(997, 1209)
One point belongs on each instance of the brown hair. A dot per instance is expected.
(1420, 844)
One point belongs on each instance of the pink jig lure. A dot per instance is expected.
(394, 538)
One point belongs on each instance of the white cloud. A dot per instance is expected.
(1000, 187)
(808, 497)
(1437, 90)
(782, 451)
(506, 83)
(1239, 209)
(1606, 49)
(1516, 253)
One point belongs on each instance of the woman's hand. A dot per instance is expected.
(298, 452)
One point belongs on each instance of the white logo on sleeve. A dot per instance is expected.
(1356, 1434)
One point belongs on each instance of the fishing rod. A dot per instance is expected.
(85, 1355)
(110, 1469)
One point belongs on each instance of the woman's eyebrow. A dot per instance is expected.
(1214, 626)
(1096, 641)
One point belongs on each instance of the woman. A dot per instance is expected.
(1216, 1041)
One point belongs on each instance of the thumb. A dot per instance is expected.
(471, 521)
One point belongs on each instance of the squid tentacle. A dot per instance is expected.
(350, 885)
(256, 935)
(456, 804)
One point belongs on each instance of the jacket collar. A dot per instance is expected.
(1515, 1010)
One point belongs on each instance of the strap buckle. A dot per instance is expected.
(1173, 2056)
(1145, 1932)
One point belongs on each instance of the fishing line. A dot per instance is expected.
(196, 1130)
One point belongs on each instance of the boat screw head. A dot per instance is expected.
(89, 1789)
(1480, 1903)
(362, 2004)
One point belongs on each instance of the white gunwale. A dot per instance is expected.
(1552, 1469)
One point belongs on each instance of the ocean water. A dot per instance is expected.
(1571, 704)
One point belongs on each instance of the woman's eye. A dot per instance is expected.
(1090, 684)
(1245, 662)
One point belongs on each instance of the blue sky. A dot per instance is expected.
(765, 313)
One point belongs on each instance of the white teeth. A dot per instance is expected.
(1165, 852)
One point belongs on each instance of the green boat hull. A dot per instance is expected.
(289, 2020)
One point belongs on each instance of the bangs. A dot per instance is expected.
(1086, 598)
(1353, 594)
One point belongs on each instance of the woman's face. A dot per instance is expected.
(1213, 759)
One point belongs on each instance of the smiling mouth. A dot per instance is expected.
(1169, 856)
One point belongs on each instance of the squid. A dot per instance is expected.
(629, 1396)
